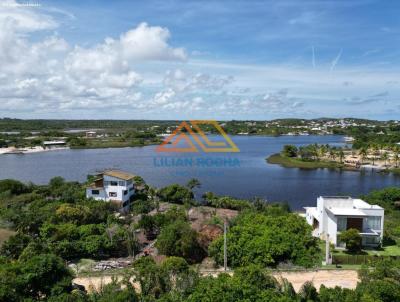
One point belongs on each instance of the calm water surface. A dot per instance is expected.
(253, 178)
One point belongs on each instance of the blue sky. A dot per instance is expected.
(200, 59)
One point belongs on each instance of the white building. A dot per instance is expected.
(60, 144)
(115, 186)
(333, 215)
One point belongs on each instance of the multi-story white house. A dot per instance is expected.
(115, 186)
(333, 215)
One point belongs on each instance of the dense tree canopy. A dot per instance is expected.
(266, 240)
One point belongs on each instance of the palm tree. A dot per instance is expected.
(396, 155)
(363, 154)
(385, 157)
(341, 155)
(332, 154)
(374, 150)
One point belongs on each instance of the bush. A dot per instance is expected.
(290, 151)
(265, 240)
(353, 240)
(13, 186)
(178, 239)
(175, 194)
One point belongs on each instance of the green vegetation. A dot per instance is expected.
(55, 223)
(389, 199)
(352, 239)
(268, 239)
(290, 162)
(179, 239)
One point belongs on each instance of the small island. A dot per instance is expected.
(374, 157)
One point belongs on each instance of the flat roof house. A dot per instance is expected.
(334, 214)
(113, 185)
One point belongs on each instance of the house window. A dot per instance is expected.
(374, 222)
(131, 189)
(121, 183)
(114, 183)
(341, 224)
(95, 192)
(125, 192)
(372, 240)
(112, 194)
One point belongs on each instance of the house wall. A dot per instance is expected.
(328, 221)
(331, 227)
(101, 196)
(119, 189)
(104, 193)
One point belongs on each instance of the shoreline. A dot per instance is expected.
(286, 162)
(37, 149)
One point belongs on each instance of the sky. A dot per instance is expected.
(232, 59)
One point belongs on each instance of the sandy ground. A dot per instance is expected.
(5, 234)
(29, 149)
(331, 278)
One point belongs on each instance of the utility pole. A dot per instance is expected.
(327, 250)
(225, 253)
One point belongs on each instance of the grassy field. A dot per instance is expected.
(390, 250)
(4, 235)
(289, 162)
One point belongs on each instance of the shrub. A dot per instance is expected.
(352, 238)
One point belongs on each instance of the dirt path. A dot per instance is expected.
(329, 278)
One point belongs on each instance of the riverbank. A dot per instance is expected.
(114, 144)
(36, 149)
(289, 162)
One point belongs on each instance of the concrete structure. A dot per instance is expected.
(91, 134)
(115, 186)
(54, 144)
(333, 215)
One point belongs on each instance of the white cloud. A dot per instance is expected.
(149, 43)
(51, 76)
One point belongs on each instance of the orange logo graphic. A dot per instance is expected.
(191, 135)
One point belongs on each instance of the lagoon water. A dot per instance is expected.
(245, 174)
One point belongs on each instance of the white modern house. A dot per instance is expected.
(114, 186)
(333, 215)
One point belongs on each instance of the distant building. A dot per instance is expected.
(333, 215)
(90, 134)
(54, 144)
(114, 186)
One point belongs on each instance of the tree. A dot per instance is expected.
(363, 154)
(396, 155)
(40, 276)
(385, 157)
(15, 187)
(14, 246)
(290, 151)
(175, 194)
(179, 239)
(352, 239)
(193, 183)
(267, 239)
(341, 155)
(308, 292)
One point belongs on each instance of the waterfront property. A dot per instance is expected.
(113, 185)
(332, 215)
(54, 144)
